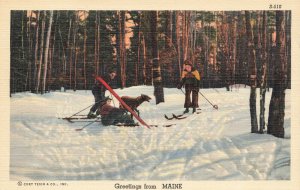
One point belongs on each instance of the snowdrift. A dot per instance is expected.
(212, 145)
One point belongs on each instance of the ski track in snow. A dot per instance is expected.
(212, 145)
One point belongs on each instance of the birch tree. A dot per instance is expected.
(252, 73)
(47, 52)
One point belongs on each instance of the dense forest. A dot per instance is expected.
(50, 49)
(54, 49)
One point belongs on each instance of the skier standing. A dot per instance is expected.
(98, 91)
(190, 79)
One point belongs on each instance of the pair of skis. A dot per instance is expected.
(180, 116)
(97, 119)
(81, 119)
(164, 125)
(84, 118)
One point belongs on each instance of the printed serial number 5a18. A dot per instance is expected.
(275, 6)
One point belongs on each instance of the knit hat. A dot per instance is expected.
(188, 62)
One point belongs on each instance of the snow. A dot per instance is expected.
(212, 145)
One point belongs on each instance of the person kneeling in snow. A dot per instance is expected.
(111, 115)
(190, 79)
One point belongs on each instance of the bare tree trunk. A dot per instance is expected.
(41, 54)
(178, 41)
(84, 57)
(70, 54)
(195, 38)
(277, 103)
(167, 68)
(234, 34)
(52, 52)
(252, 73)
(227, 53)
(184, 44)
(75, 50)
(51, 58)
(144, 60)
(35, 53)
(70, 66)
(174, 25)
(96, 45)
(186, 34)
(118, 47)
(51, 55)
(224, 54)
(22, 34)
(191, 35)
(64, 53)
(75, 70)
(288, 46)
(121, 38)
(271, 61)
(47, 52)
(123, 49)
(175, 64)
(137, 64)
(263, 73)
(157, 81)
(29, 51)
(168, 30)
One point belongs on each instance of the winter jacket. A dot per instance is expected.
(191, 79)
(98, 88)
(107, 109)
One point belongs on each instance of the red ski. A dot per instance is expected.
(121, 101)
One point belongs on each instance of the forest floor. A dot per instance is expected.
(212, 145)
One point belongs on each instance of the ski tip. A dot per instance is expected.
(170, 125)
(127, 125)
(69, 120)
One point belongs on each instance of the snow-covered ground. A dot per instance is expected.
(212, 145)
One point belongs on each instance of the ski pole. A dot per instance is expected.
(80, 129)
(214, 106)
(84, 109)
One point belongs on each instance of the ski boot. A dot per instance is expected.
(91, 115)
(194, 110)
(133, 124)
(186, 110)
(97, 112)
